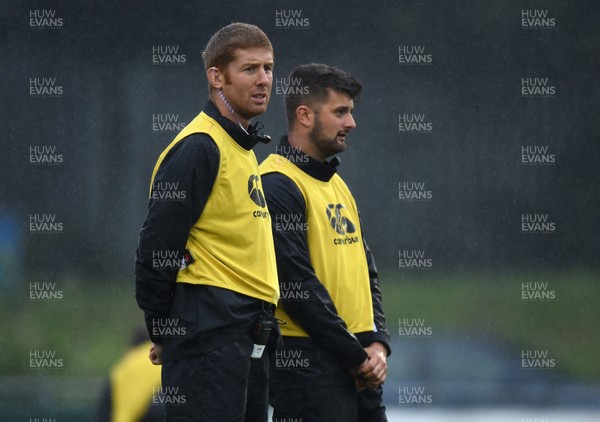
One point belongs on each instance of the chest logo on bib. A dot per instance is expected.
(255, 192)
(338, 221)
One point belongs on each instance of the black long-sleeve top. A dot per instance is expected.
(206, 312)
(318, 315)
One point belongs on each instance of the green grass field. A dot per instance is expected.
(91, 326)
(492, 304)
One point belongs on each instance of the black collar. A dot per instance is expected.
(245, 140)
(322, 171)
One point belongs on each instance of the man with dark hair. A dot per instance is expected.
(205, 267)
(335, 342)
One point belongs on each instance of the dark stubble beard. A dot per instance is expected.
(326, 146)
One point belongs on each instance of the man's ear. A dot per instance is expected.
(215, 77)
(305, 116)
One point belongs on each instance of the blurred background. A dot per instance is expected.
(474, 164)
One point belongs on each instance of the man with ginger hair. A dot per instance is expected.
(205, 267)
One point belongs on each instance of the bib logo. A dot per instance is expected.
(254, 191)
(257, 196)
(340, 224)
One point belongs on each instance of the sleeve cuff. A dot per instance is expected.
(383, 339)
(355, 358)
(368, 338)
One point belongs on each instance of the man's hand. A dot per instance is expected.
(373, 371)
(156, 354)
